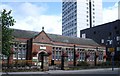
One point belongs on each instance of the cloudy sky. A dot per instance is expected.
(32, 15)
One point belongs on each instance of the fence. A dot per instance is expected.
(27, 65)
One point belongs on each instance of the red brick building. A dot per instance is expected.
(28, 45)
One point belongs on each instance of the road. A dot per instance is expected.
(88, 72)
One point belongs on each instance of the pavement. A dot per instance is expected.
(86, 72)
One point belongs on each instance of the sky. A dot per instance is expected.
(33, 15)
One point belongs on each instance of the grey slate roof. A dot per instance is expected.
(72, 40)
(54, 37)
(24, 34)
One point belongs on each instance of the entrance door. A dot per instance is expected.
(43, 60)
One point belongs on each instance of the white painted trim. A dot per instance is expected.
(42, 48)
(42, 44)
(77, 46)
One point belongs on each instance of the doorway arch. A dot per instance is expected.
(43, 60)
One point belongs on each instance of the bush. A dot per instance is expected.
(109, 64)
(83, 63)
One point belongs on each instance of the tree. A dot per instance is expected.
(7, 21)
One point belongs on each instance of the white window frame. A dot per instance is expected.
(118, 38)
(118, 48)
(83, 35)
(102, 41)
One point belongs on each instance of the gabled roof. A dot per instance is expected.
(54, 37)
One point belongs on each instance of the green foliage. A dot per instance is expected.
(109, 64)
(83, 63)
(7, 21)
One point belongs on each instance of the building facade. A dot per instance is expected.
(28, 45)
(80, 14)
(106, 34)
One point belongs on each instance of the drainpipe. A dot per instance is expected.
(74, 63)
(90, 13)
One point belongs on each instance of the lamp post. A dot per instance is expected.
(112, 54)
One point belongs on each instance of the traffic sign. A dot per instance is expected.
(111, 49)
